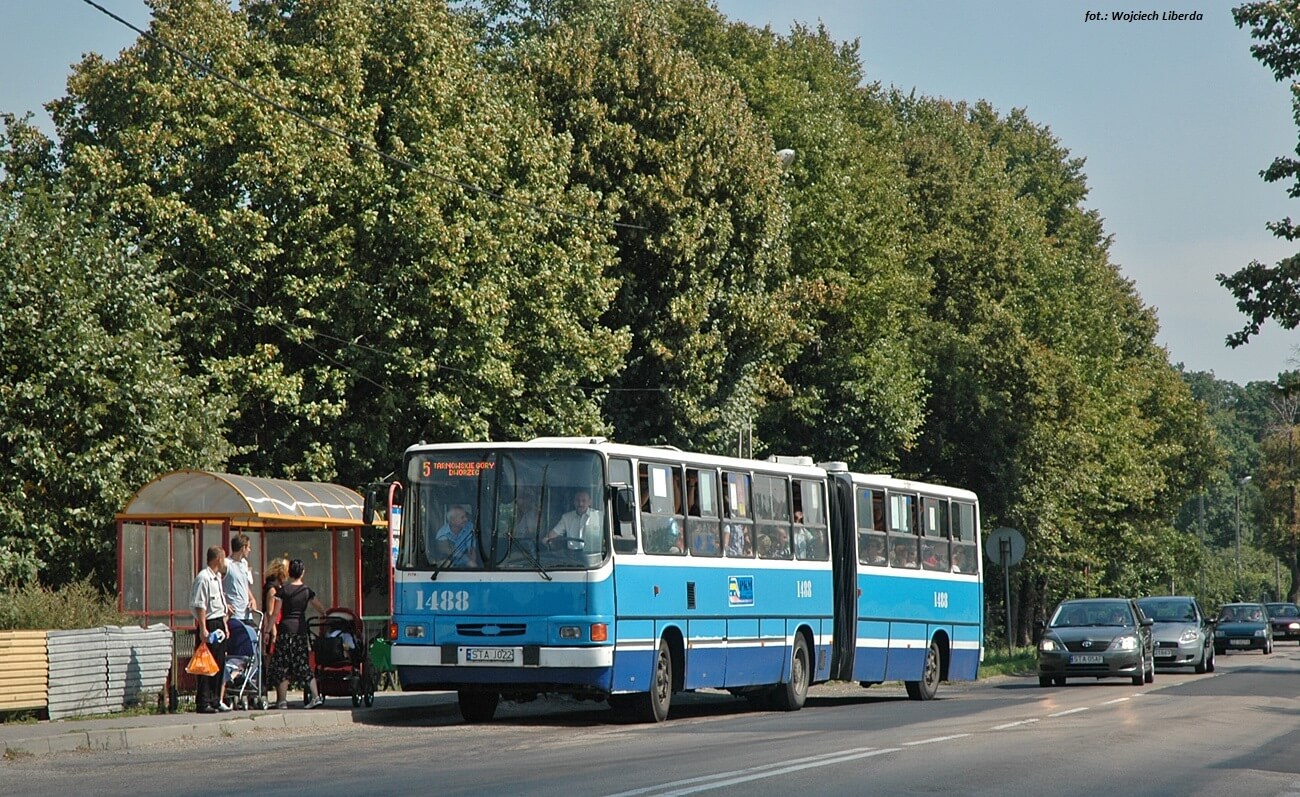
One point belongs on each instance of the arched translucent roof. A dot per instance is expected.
(199, 495)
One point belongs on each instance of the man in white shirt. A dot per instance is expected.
(238, 582)
(210, 613)
(580, 523)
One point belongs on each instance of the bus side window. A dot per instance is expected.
(772, 517)
(702, 529)
(904, 543)
(965, 559)
(934, 519)
(872, 549)
(809, 520)
(620, 472)
(661, 515)
(737, 527)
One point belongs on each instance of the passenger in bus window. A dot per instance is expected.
(930, 558)
(781, 543)
(527, 517)
(809, 544)
(578, 523)
(735, 539)
(959, 563)
(454, 542)
(874, 552)
(904, 554)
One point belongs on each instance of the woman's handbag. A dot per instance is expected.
(202, 662)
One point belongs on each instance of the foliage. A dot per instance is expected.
(401, 257)
(78, 604)
(1272, 292)
(675, 153)
(94, 401)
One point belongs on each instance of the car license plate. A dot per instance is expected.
(490, 655)
(1088, 658)
(1164, 653)
(1240, 642)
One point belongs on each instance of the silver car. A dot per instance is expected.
(1184, 636)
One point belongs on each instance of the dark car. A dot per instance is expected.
(1184, 636)
(1243, 626)
(1285, 618)
(1096, 638)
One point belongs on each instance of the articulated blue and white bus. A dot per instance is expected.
(629, 573)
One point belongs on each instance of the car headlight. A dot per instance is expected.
(1261, 632)
(1189, 635)
(1294, 626)
(1050, 645)
(1124, 643)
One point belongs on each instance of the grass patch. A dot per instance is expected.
(21, 717)
(1021, 661)
(14, 754)
(145, 709)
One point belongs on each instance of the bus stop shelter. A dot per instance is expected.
(165, 530)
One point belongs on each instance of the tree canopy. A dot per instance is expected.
(349, 225)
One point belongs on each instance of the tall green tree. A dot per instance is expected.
(855, 389)
(375, 243)
(679, 159)
(94, 398)
(1272, 292)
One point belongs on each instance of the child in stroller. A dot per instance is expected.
(342, 664)
(243, 670)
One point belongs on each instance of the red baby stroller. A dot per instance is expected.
(342, 664)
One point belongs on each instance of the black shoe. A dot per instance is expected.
(207, 710)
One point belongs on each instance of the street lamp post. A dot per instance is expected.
(1236, 511)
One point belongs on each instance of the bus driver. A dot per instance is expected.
(580, 522)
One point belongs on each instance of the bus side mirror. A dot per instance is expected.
(375, 495)
(624, 504)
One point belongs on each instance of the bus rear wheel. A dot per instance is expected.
(790, 696)
(477, 706)
(653, 706)
(928, 686)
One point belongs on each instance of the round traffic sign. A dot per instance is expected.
(1004, 542)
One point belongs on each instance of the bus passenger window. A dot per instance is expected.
(737, 528)
(702, 529)
(661, 516)
(904, 552)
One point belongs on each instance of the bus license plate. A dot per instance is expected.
(1090, 658)
(490, 655)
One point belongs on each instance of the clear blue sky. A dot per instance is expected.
(1174, 119)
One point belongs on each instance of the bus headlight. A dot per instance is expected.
(570, 632)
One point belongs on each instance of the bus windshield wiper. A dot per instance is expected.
(514, 544)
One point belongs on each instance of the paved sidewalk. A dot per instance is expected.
(126, 733)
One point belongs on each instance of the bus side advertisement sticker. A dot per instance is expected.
(740, 590)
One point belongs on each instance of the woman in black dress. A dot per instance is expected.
(290, 637)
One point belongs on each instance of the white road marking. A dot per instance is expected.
(935, 739)
(1071, 711)
(1116, 700)
(720, 779)
(1004, 726)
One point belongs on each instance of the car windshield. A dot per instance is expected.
(1242, 614)
(1169, 610)
(1283, 610)
(1098, 613)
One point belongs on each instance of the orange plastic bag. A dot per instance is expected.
(202, 662)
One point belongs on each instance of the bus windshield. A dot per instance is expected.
(504, 509)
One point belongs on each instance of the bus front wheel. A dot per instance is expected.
(790, 696)
(653, 706)
(928, 686)
(477, 706)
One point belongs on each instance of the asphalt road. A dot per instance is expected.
(1235, 732)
